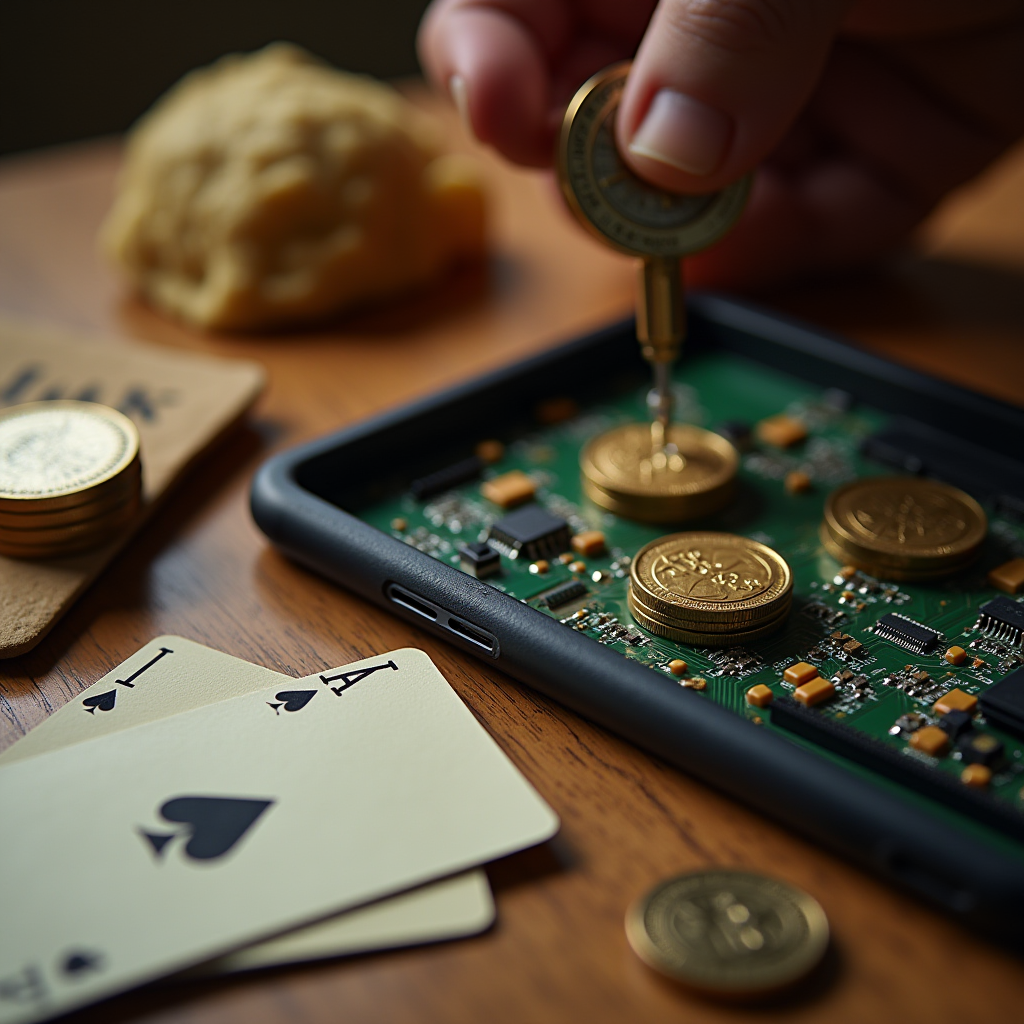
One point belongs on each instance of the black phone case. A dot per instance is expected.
(953, 434)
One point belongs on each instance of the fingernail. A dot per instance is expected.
(460, 97)
(683, 133)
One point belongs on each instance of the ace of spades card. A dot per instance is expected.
(382, 781)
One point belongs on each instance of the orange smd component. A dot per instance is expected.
(760, 696)
(782, 431)
(814, 692)
(509, 489)
(799, 673)
(930, 740)
(956, 700)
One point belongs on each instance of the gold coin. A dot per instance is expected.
(693, 476)
(692, 578)
(56, 455)
(111, 496)
(905, 524)
(885, 572)
(619, 207)
(729, 933)
(699, 636)
(53, 542)
(724, 625)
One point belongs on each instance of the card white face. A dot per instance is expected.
(170, 675)
(230, 823)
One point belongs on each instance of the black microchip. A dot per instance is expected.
(564, 594)
(980, 748)
(531, 532)
(447, 478)
(1002, 618)
(956, 723)
(1003, 704)
(907, 633)
(479, 559)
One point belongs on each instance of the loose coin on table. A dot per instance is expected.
(70, 477)
(729, 933)
(903, 528)
(709, 589)
(691, 475)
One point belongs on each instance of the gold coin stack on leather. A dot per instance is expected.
(709, 589)
(690, 476)
(70, 477)
(903, 528)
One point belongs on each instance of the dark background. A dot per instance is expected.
(72, 69)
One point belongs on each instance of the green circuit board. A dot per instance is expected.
(889, 682)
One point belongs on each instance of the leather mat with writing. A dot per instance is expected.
(181, 402)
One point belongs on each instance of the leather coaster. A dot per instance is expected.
(181, 402)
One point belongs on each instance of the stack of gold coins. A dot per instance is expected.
(690, 476)
(70, 477)
(709, 589)
(903, 528)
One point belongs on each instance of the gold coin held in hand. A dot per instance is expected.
(729, 933)
(619, 207)
(692, 475)
(903, 528)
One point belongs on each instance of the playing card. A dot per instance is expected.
(238, 821)
(171, 674)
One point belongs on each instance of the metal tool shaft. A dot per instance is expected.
(661, 328)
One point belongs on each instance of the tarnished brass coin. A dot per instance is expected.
(693, 476)
(903, 527)
(729, 933)
(56, 455)
(694, 578)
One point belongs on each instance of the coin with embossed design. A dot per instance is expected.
(692, 475)
(733, 934)
(711, 578)
(903, 527)
(70, 477)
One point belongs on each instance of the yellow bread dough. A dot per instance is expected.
(270, 189)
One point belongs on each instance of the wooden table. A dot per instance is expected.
(203, 570)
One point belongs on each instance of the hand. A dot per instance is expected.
(859, 115)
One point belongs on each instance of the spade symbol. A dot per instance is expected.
(81, 961)
(101, 701)
(293, 700)
(217, 824)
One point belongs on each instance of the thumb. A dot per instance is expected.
(716, 83)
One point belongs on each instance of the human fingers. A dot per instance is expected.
(868, 159)
(513, 65)
(716, 84)
(494, 60)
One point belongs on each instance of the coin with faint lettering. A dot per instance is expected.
(711, 578)
(619, 207)
(729, 933)
(903, 527)
(70, 477)
(60, 453)
(692, 475)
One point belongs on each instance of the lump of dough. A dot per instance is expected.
(269, 190)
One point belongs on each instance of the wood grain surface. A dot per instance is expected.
(954, 307)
